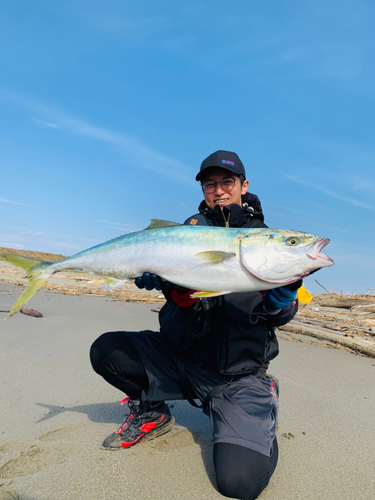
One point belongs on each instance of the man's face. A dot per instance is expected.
(221, 196)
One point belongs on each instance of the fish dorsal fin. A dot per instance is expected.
(111, 283)
(214, 256)
(157, 223)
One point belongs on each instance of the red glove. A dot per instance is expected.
(182, 297)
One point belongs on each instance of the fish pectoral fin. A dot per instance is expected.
(157, 223)
(214, 257)
(205, 293)
(111, 283)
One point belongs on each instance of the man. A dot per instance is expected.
(216, 350)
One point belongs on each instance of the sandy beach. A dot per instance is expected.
(55, 412)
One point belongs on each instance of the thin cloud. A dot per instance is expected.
(68, 246)
(367, 185)
(137, 153)
(117, 225)
(31, 233)
(52, 237)
(299, 215)
(326, 60)
(110, 222)
(329, 192)
(135, 150)
(117, 228)
(4, 200)
(185, 206)
(46, 124)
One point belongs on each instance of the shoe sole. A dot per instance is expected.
(156, 432)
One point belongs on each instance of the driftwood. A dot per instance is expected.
(315, 327)
(354, 308)
(343, 303)
(321, 333)
(333, 325)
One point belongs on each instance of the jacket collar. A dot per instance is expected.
(235, 215)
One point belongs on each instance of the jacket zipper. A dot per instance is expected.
(226, 221)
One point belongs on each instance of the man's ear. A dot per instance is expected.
(245, 187)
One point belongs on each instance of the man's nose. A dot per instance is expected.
(218, 188)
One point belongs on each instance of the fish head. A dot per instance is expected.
(283, 256)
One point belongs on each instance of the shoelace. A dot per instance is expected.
(134, 410)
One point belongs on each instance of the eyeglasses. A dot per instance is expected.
(226, 184)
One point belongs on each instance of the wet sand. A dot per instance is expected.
(55, 412)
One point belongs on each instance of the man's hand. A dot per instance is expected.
(278, 298)
(180, 296)
(151, 281)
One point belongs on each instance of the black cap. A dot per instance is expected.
(223, 159)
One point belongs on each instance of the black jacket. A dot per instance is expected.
(230, 333)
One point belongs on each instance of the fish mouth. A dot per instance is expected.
(313, 252)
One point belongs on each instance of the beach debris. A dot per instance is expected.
(350, 328)
(357, 344)
(316, 281)
(214, 260)
(344, 302)
(304, 296)
(367, 306)
(288, 435)
(31, 312)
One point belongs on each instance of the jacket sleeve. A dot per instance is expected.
(168, 290)
(284, 316)
(244, 307)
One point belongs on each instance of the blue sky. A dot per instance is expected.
(108, 108)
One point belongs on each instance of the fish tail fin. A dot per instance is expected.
(33, 268)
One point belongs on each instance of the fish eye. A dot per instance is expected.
(292, 241)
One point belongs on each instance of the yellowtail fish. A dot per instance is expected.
(213, 260)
